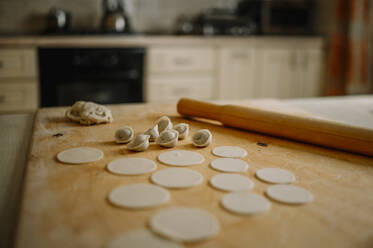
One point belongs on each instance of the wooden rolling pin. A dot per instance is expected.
(306, 129)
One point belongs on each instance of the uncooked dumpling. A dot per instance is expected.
(88, 113)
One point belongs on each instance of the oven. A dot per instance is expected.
(102, 75)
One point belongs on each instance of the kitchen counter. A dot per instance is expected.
(146, 40)
(15, 131)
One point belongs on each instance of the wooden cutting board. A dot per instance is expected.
(66, 205)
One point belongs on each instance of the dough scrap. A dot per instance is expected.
(289, 194)
(275, 175)
(184, 224)
(88, 113)
(138, 196)
(181, 158)
(231, 182)
(141, 238)
(177, 178)
(80, 155)
(245, 203)
(229, 152)
(131, 166)
(229, 165)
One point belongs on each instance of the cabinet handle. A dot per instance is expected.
(182, 61)
(2, 99)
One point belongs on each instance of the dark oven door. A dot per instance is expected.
(104, 75)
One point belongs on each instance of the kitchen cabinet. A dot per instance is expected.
(182, 71)
(18, 80)
(270, 70)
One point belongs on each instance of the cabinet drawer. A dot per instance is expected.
(18, 96)
(17, 63)
(181, 59)
(173, 88)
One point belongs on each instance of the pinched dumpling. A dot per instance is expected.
(139, 144)
(202, 138)
(124, 135)
(153, 132)
(168, 138)
(182, 129)
(164, 123)
(88, 113)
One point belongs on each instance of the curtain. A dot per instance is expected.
(350, 62)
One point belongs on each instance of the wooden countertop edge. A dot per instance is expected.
(144, 40)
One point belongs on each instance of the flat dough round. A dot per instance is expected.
(80, 155)
(229, 165)
(181, 158)
(140, 195)
(289, 194)
(184, 224)
(131, 166)
(245, 203)
(275, 175)
(231, 182)
(229, 152)
(177, 178)
(141, 238)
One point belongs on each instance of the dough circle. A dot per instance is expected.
(181, 158)
(141, 238)
(275, 175)
(184, 224)
(140, 195)
(245, 203)
(80, 155)
(229, 152)
(177, 178)
(231, 182)
(229, 165)
(289, 194)
(131, 166)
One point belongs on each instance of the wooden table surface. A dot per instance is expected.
(66, 206)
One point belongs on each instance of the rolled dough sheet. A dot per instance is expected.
(289, 194)
(275, 175)
(80, 155)
(184, 224)
(140, 195)
(181, 158)
(245, 203)
(229, 165)
(131, 166)
(229, 152)
(141, 238)
(177, 178)
(231, 182)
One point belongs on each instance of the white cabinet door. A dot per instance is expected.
(310, 72)
(277, 72)
(236, 73)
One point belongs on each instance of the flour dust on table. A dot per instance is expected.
(141, 238)
(177, 178)
(131, 166)
(229, 165)
(289, 194)
(231, 182)
(229, 152)
(275, 175)
(80, 155)
(184, 224)
(181, 158)
(138, 196)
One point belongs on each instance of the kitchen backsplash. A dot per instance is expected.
(25, 16)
